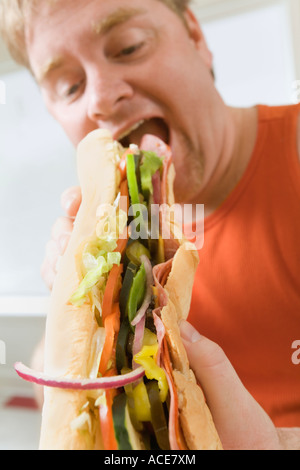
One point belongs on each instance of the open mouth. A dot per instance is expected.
(153, 126)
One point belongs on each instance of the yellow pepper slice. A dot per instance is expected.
(146, 359)
(142, 406)
(149, 338)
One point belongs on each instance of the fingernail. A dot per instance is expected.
(67, 203)
(188, 332)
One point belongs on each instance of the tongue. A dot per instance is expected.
(155, 127)
(152, 143)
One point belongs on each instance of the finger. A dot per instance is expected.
(51, 262)
(52, 254)
(48, 274)
(213, 371)
(71, 200)
(63, 242)
(61, 226)
(61, 232)
(239, 419)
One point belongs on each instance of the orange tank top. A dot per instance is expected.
(247, 288)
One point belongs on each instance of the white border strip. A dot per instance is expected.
(24, 306)
(294, 17)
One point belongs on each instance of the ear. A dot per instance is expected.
(197, 36)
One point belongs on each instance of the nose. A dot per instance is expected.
(106, 95)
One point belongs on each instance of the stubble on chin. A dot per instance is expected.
(189, 176)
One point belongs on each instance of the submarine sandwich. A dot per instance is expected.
(117, 376)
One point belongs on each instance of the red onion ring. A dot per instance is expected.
(140, 318)
(104, 383)
(138, 340)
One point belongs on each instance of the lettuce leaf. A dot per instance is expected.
(104, 264)
(151, 163)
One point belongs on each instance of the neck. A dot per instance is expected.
(235, 151)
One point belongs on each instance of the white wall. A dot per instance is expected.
(253, 52)
(36, 164)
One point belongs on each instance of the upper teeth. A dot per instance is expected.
(131, 129)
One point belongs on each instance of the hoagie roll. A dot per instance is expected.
(116, 375)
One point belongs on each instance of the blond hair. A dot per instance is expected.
(13, 20)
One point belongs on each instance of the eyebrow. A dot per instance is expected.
(49, 66)
(100, 27)
(114, 19)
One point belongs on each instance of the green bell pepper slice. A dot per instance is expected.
(137, 293)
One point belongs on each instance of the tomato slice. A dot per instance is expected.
(111, 321)
(122, 167)
(124, 206)
(124, 194)
(106, 418)
(112, 328)
(112, 290)
(122, 164)
(122, 242)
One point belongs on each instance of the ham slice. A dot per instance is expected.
(151, 143)
(163, 360)
(160, 275)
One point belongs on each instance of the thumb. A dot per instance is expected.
(239, 419)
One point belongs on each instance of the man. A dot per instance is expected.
(137, 67)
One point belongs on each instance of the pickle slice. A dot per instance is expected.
(126, 436)
(158, 417)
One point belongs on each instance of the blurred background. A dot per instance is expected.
(256, 48)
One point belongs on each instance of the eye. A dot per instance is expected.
(73, 89)
(131, 49)
(71, 92)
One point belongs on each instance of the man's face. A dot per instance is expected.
(128, 66)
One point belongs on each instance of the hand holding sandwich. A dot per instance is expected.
(241, 423)
(60, 234)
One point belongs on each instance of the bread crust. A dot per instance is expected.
(69, 330)
(195, 417)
